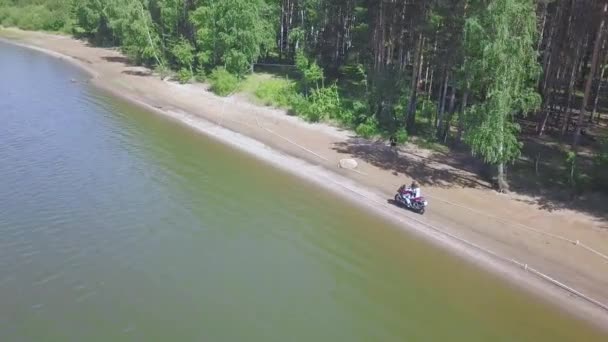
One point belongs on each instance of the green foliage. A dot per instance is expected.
(169, 16)
(183, 54)
(200, 75)
(276, 92)
(223, 82)
(91, 20)
(133, 24)
(355, 78)
(311, 73)
(427, 109)
(233, 33)
(323, 104)
(184, 76)
(346, 115)
(576, 180)
(570, 163)
(368, 128)
(502, 66)
(51, 15)
(296, 36)
(299, 104)
(162, 71)
(401, 136)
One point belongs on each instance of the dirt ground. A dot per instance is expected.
(516, 226)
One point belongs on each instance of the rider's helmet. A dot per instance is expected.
(415, 185)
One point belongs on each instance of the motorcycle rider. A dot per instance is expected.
(414, 192)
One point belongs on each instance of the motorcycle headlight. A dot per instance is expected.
(426, 203)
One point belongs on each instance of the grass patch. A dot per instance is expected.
(7, 33)
(252, 82)
(269, 90)
(276, 93)
(223, 83)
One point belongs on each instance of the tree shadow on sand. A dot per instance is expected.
(118, 59)
(141, 73)
(542, 175)
(437, 169)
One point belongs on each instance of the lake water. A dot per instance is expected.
(119, 225)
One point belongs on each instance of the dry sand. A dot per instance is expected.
(491, 229)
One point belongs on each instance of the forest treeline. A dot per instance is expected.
(484, 73)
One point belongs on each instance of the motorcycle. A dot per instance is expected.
(418, 204)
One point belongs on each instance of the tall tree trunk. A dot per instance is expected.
(463, 107)
(150, 41)
(556, 38)
(597, 96)
(541, 36)
(549, 52)
(501, 178)
(448, 122)
(411, 112)
(426, 76)
(429, 92)
(570, 94)
(599, 84)
(594, 62)
(442, 100)
(430, 88)
(542, 125)
(420, 62)
(282, 30)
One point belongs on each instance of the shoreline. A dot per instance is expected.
(337, 182)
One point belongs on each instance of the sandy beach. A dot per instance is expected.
(512, 235)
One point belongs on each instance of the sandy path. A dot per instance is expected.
(505, 224)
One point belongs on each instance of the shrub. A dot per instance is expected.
(223, 83)
(401, 136)
(311, 73)
(570, 166)
(346, 117)
(324, 103)
(299, 104)
(276, 92)
(573, 175)
(184, 76)
(183, 54)
(368, 128)
(350, 111)
(163, 71)
(200, 75)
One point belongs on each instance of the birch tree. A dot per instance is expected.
(500, 57)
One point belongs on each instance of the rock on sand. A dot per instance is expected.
(348, 164)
